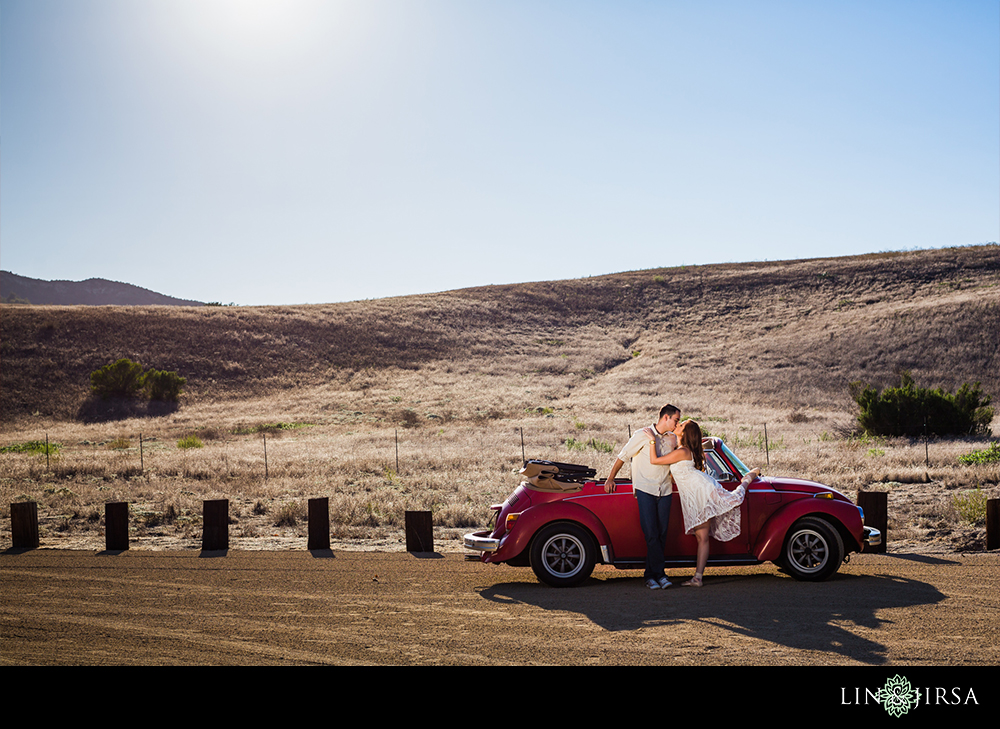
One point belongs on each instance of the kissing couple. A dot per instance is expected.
(674, 454)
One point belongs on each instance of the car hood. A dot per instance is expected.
(802, 486)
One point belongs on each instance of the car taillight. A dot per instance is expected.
(511, 518)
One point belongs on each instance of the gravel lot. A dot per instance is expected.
(393, 608)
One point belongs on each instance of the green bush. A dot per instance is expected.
(990, 454)
(971, 506)
(123, 378)
(166, 386)
(33, 446)
(598, 445)
(190, 441)
(126, 378)
(903, 410)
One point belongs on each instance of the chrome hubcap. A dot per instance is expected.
(563, 555)
(809, 551)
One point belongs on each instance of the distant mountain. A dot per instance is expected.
(92, 292)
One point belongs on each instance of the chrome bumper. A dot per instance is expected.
(481, 542)
(872, 538)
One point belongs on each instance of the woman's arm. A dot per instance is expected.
(674, 456)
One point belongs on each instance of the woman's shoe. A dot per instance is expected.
(694, 581)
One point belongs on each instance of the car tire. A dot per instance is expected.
(813, 550)
(563, 554)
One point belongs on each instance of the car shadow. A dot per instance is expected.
(775, 608)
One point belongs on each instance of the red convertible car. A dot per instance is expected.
(561, 522)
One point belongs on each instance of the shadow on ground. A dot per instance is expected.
(799, 615)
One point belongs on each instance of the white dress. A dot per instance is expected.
(703, 499)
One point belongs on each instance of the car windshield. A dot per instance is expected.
(744, 470)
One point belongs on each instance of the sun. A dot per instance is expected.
(243, 30)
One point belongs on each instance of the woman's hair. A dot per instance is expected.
(691, 439)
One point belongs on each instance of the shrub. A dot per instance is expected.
(190, 441)
(598, 445)
(165, 386)
(971, 506)
(126, 378)
(32, 446)
(903, 410)
(123, 378)
(990, 454)
(288, 515)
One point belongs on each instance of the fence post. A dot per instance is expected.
(319, 524)
(215, 528)
(419, 531)
(767, 449)
(993, 524)
(24, 525)
(875, 505)
(116, 525)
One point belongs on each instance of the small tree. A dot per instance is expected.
(904, 410)
(126, 378)
(123, 378)
(166, 386)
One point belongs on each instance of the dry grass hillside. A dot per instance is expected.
(462, 375)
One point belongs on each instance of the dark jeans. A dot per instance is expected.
(654, 517)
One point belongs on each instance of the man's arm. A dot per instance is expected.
(609, 485)
(635, 444)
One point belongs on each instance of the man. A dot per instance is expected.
(652, 486)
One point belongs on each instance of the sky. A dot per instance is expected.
(315, 151)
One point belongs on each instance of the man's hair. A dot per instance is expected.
(669, 410)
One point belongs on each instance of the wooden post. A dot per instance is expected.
(319, 523)
(993, 524)
(215, 528)
(116, 525)
(419, 531)
(24, 525)
(875, 505)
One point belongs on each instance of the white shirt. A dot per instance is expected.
(646, 477)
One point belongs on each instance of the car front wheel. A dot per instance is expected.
(563, 554)
(813, 550)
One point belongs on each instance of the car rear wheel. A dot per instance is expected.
(813, 550)
(563, 554)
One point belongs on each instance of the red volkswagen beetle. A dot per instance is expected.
(561, 523)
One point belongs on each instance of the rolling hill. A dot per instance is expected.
(788, 335)
(92, 292)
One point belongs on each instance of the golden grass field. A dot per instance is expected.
(458, 378)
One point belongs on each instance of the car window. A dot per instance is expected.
(715, 467)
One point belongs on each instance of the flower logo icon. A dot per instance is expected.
(897, 696)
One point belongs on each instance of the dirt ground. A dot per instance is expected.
(61, 607)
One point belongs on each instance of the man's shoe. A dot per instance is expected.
(664, 583)
(652, 584)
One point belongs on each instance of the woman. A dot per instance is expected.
(709, 510)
